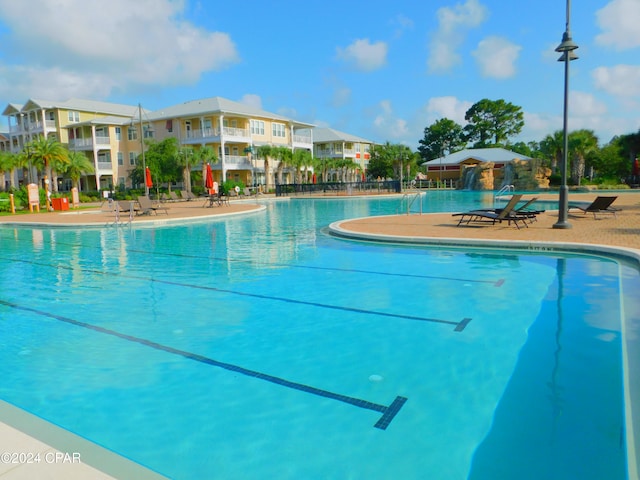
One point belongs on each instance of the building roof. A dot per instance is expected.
(327, 135)
(73, 104)
(216, 105)
(496, 155)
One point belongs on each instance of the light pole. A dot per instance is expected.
(566, 48)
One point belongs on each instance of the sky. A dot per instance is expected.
(381, 70)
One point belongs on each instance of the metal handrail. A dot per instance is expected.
(410, 197)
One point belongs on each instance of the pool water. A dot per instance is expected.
(260, 347)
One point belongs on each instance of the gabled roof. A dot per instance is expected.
(216, 105)
(12, 108)
(74, 104)
(496, 155)
(326, 135)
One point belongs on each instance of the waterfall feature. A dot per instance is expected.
(469, 178)
(509, 174)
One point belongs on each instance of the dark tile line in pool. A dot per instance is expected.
(388, 412)
(314, 267)
(249, 294)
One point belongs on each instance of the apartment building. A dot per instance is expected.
(112, 136)
(83, 125)
(235, 131)
(333, 144)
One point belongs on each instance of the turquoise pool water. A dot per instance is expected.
(260, 347)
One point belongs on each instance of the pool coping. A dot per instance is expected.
(632, 431)
(48, 439)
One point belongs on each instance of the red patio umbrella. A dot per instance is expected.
(636, 168)
(147, 178)
(208, 179)
(314, 178)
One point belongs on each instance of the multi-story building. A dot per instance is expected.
(234, 130)
(112, 136)
(330, 144)
(83, 125)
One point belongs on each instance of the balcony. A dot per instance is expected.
(232, 134)
(105, 168)
(237, 162)
(201, 135)
(87, 143)
(302, 141)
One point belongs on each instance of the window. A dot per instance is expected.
(132, 133)
(278, 129)
(118, 133)
(226, 151)
(120, 158)
(50, 116)
(257, 127)
(235, 151)
(148, 131)
(132, 158)
(73, 116)
(169, 126)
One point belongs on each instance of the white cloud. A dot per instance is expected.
(364, 55)
(341, 97)
(131, 44)
(446, 107)
(387, 125)
(252, 100)
(619, 20)
(496, 57)
(452, 26)
(620, 80)
(582, 104)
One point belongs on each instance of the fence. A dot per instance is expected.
(339, 188)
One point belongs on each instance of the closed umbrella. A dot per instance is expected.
(147, 178)
(208, 179)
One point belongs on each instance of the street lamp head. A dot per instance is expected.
(567, 43)
(572, 56)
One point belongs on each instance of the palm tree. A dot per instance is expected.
(582, 143)
(204, 154)
(299, 160)
(44, 152)
(8, 164)
(186, 156)
(264, 152)
(78, 166)
(552, 146)
(283, 154)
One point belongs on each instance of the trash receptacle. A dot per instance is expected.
(60, 203)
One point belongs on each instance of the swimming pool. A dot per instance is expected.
(260, 347)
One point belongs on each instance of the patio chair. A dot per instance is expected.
(599, 205)
(498, 215)
(188, 196)
(147, 207)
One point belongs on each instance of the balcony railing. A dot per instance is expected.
(87, 143)
(237, 161)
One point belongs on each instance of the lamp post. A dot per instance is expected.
(566, 48)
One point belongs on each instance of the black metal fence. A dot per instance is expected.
(338, 188)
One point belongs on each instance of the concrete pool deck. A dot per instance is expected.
(22, 433)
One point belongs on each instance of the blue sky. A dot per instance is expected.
(382, 70)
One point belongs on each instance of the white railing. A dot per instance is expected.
(235, 132)
(304, 139)
(503, 193)
(237, 160)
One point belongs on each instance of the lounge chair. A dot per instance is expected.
(188, 196)
(148, 208)
(599, 205)
(498, 215)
